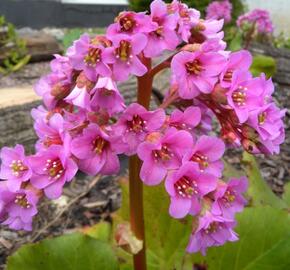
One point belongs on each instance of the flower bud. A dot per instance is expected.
(250, 146)
(250, 133)
(191, 47)
(101, 117)
(83, 81)
(219, 95)
(60, 91)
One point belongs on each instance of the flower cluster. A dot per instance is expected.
(84, 123)
(258, 18)
(219, 10)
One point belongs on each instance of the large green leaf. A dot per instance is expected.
(69, 252)
(101, 231)
(166, 238)
(259, 192)
(265, 64)
(264, 243)
(236, 43)
(286, 195)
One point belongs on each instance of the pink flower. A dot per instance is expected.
(212, 231)
(52, 88)
(204, 30)
(125, 55)
(206, 118)
(135, 123)
(164, 36)
(186, 120)
(207, 152)
(246, 94)
(14, 167)
(55, 86)
(186, 187)
(196, 72)
(228, 197)
(61, 66)
(160, 153)
(130, 23)
(259, 17)
(91, 56)
(17, 208)
(211, 29)
(40, 114)
(215, 45)
(238, 61)
(267, 121)
(80, 95)
(52, 168)
(107, 96)
(95, 151)
(272, 146)
(50, 132)
(219, 10)
(186, 18)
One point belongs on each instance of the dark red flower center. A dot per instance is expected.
(186, 187)
(201, 159)
(239, 96)
(21, 200)
(127, 22)
(212, 228)
(93, 56)
(53, 139)
(163, 154)
(99, 145)
(194, 67)
(54, 168)
(123, 52)
(17, 167)
(137, 124)
(262, 118)
(229, 196)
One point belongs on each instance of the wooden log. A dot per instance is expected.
(41, 46)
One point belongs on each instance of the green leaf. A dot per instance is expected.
(259, 192)
(101, 231)
(286, 194)
(230, 171)
(22, 62)
(166, 237)
(70, 252)
(236, 43)
(264, 243)
(265, 64)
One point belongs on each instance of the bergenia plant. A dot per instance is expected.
(219, 10)
(259, 19)
(255, 24)
(85, 125)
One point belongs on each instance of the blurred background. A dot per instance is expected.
(99, 13)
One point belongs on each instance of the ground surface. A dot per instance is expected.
(88, 200)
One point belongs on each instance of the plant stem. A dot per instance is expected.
(161, 66)
(135, 183)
